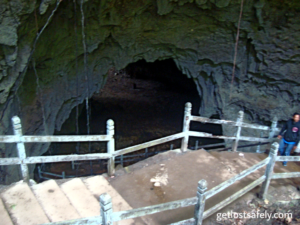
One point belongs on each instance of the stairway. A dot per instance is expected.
(23, 204)
(131, 187)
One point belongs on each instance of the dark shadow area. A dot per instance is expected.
(146, 102)
(215, 129)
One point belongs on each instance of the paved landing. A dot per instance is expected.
(182, 171)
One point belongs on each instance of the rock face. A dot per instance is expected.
(198, 35)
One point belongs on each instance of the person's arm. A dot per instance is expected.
(298, 137)
(282, 130)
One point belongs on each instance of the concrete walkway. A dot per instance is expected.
(184, 170)
(177, 175)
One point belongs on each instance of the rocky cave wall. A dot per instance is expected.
(198, 35)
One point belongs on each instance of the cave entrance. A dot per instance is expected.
(146, 101)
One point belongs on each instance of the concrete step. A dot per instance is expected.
(54, 202)
(81, 198)
(99, 185)
(22, 205)
(182, 172)
(5, 219)
(239, 161)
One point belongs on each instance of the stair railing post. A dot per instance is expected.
(40, 172)
(106, 209)
(111, 147)
(17, 126)
(238, 132)
(298, 148)
(201, 198)
(196, 145)
(258, 146)
(273, 128)
(269, 170)
(186, 126)
(121, 158)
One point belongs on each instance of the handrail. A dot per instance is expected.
(10, 161)
(94, 220)
(242, 138)
(54, 138)
(232, 180)
(289, 174)
(149, 144)
(65, 158)
(288, 158)
(185, 222)
(50, 159)
(232, 123)
(233, 197)
(143, 211)
(240, 146)
(285, 175)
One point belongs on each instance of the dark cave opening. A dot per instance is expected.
(146, 101)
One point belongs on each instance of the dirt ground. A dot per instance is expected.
(281, 207)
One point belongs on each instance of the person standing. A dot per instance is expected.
(289, 135)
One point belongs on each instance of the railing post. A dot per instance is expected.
(258, 146)
(40, 172)
(111, 147)
(298, 148)
(106, 209)
(269, 170)
(20, 146)
(238, 132)
(273, 127)
(121, 158)
(199, 208)
(186, 126)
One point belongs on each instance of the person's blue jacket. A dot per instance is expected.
(291, 131)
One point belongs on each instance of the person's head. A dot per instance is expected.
(296, 117)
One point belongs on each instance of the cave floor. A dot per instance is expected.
(183, 171)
